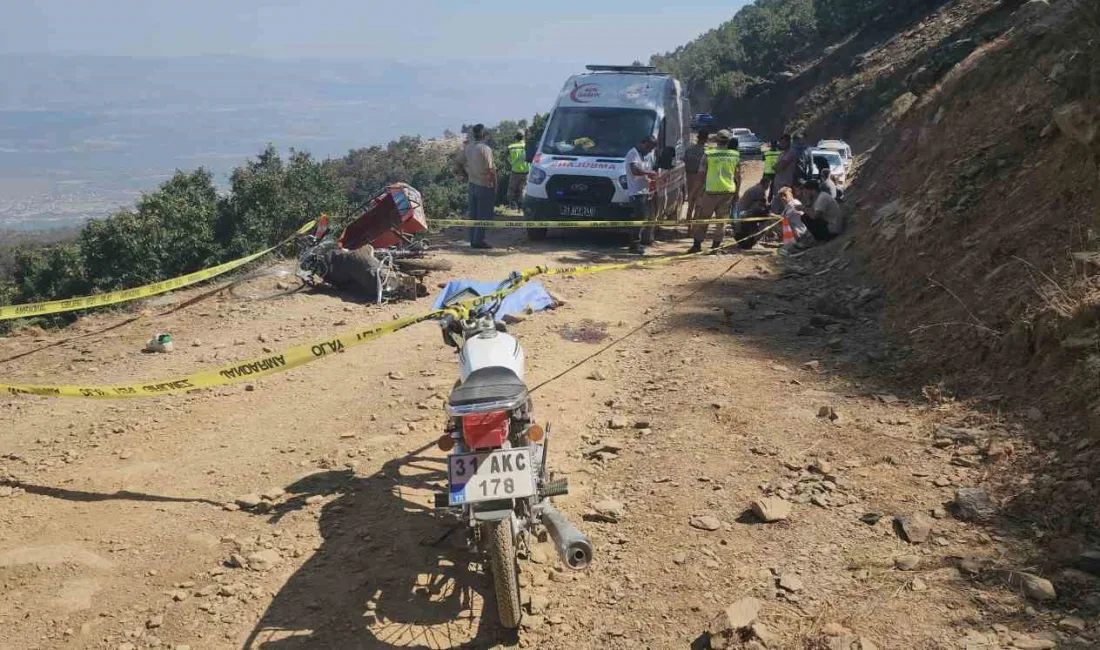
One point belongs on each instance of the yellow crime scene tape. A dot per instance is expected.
(8, 312)
(308, 352)
(270, 364)
(521, 223)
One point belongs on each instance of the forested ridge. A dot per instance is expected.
(768, 41)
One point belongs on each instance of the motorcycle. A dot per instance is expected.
(376, 273)
(498, 480)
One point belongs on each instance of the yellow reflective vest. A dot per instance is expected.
(517, 157)
(771, 156)
(721, 169)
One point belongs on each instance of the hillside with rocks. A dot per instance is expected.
(975, 125)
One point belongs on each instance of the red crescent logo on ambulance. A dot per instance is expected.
(585, 93)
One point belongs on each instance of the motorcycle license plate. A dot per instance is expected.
(577, 210)
(491, 476)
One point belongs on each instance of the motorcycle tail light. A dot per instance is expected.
(485, 430)
(445, 442)
(535, 433)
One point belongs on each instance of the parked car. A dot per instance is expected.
(749, 145)
(841, 147)
(837, 170)
(702, 121)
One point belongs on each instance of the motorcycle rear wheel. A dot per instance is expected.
(505, 568)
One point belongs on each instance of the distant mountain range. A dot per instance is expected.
(80, 136)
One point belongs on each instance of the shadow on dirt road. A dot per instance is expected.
(386, 576)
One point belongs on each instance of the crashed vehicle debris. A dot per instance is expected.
(377, 256)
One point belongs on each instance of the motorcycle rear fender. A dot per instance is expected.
(492, 510)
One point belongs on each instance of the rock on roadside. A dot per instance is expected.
(907, 562)
(973, 504)
(248, 501)
(727, 626)
(1029, 643)
(771, 509)
(610, 509)
(915, 529)
(264, 560)
(708, 523)
(1037, 588)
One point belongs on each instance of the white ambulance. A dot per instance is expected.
(577, 171)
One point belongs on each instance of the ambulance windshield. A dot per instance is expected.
(597, 131)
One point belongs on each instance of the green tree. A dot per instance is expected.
(183, 212)
(170, 233)
(48, 273)
(118, 251)
(269, 199)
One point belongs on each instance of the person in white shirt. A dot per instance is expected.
(792, 212)
(823, 219)
(639, 165)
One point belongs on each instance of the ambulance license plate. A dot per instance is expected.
(577, 210)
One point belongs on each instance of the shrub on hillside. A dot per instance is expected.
(49, 273)
(171, 232)
(269, 199)
(767, 37)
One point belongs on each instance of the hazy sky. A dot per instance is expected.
(606, 31)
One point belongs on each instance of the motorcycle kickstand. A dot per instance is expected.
(450, 531)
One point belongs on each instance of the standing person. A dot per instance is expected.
(517, 178)
(481, 187)
(692, 159)
(721, 170)
(771, 156)
(823, 218)
(639, 170)
(785, 167)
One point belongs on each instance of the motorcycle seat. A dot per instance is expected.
(486, 385)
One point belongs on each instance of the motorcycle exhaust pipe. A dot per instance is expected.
(573, 547)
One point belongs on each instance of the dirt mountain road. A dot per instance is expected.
(120, 526)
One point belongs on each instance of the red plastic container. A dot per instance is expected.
(391, 217)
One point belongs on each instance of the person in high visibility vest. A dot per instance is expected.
(721, 172)
(518, 167)
(771, 156)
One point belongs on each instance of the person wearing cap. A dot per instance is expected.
(721, 171)
(639, 165)
(518, 168)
